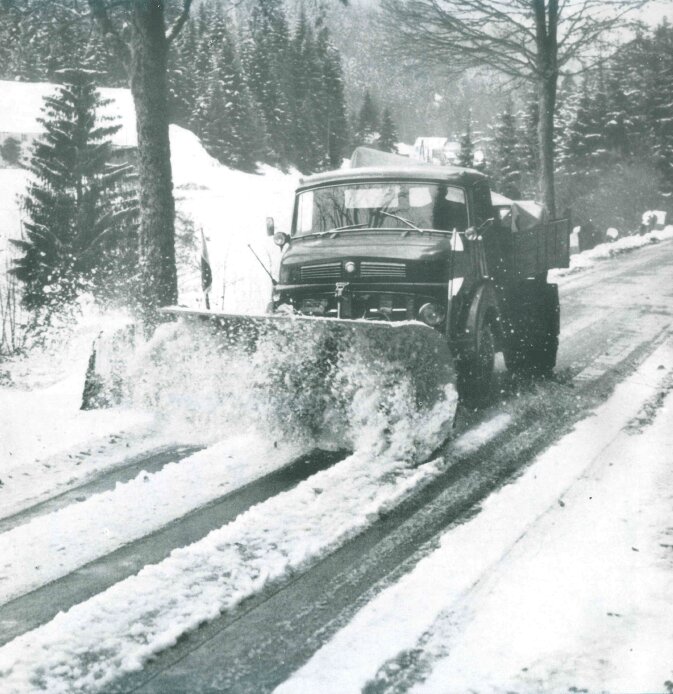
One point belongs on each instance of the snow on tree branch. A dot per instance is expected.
(180, 21)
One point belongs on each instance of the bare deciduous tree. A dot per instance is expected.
(139, 32)
(532, 40)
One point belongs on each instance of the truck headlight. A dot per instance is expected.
(431, 314)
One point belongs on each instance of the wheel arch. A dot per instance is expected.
(483, 306)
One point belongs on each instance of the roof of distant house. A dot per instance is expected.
(431, 142)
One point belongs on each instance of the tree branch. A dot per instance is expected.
(100, 13)
(180, 21)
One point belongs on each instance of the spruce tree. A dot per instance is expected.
(228, 123)
(466, 154)
(387, 141)
(79, 211)
(505, 163)
(184, 84)
(367, 129)
(266, 58)
(619, 125)
(333, 121)
(307, 103)
(583, 148)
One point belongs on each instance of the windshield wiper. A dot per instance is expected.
(348, 226)
(401, 219)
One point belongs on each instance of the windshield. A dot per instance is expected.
(383, 205)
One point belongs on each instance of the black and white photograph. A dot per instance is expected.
(336, 346)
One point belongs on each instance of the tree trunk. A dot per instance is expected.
(546, 25)
(545, 131)
(149, 87)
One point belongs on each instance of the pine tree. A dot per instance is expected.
(387, 141)
(505, 163)
(307, 103)
(228, 122)
(184, 84)
(583, 147)
(367, 129)
(80, 214)
(466, 155)
(332, 119)
(267, 63)
(618, 126)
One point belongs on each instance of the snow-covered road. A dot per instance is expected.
(368, 559)
(570, 585)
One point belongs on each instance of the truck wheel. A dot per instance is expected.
(533, 347)
(475, 371)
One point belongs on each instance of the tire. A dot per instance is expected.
(532, 348)
(475, 371)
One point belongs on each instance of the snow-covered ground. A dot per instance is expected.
(230, 206)
(118, 630)
(131, 510)
(561, 583)
(603, 251)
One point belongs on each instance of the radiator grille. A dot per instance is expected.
(375, 269)
(321, 271)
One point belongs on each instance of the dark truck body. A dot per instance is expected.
(486, 284)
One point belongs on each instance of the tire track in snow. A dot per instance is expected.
(27, 485)
(116, 631)
(41, 605)
(53, 545)
(105, 480)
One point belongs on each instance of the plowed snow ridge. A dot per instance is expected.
(116, 631)
(80, 533)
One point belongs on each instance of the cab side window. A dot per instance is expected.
(481, 197)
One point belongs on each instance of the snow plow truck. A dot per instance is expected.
(423, 261)
(389, 240)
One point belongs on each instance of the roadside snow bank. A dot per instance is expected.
(116, 631)
(47, 442)
(587, 259)
(559, 581)
(585, 594)
(231, 208)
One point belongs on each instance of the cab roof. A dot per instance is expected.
(412, 172)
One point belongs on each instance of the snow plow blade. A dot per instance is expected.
(422, 351)
(301, 375)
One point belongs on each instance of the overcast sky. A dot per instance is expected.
(654, 12)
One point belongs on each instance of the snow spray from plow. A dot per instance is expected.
(350, 383)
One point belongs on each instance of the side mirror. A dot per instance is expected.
(270, 226)
(474, 233)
